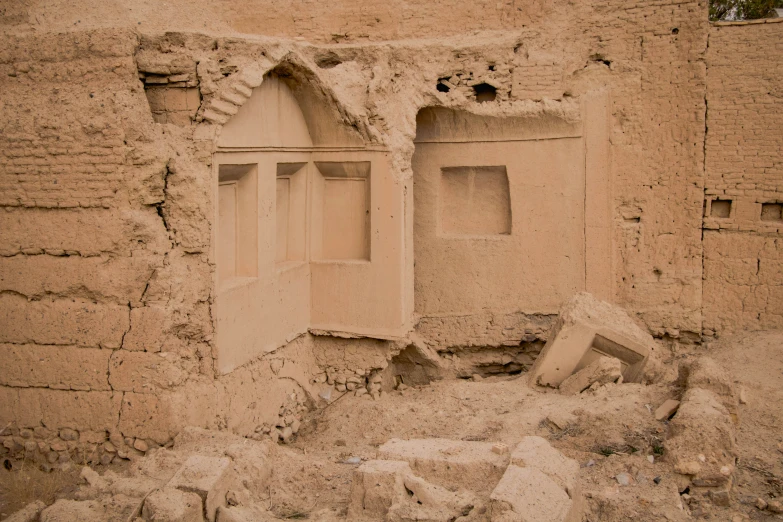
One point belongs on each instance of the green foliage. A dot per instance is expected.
(742, 9)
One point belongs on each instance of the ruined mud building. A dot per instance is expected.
(196, 229)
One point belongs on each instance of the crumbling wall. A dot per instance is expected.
(743, 248)
(106, 281)
(107, 274)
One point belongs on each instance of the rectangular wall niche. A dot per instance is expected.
(237, 242)
(345, 210)
(772, 212)
(290, 213)
(475, 201)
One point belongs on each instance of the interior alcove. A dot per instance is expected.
(329, 232)
(504, 211)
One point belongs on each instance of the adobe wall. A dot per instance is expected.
(108, 267)
(743, 249)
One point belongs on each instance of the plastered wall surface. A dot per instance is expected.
(114, 307)
(743, 286)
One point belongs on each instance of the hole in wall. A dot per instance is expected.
(442, 85)
(600, 58)
(491, 67)
(415, 367)
(485, 92)
(327, 60)
(772, 211)
(720, 208)
(675, 31)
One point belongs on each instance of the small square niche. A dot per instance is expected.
(720, 208)
(772, 212)
(237, 231)
(475, 201)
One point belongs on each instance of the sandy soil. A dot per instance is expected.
(609, 431)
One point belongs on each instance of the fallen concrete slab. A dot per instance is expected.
(529, 495)
(586, 330)
(473, 466)
(537, 453)
(388, 490)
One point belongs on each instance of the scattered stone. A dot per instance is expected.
(353, 460)
(775, 506)
(476, 377)
(69, 434)
(667, 409)
(651, 459)
(29, 513)
(208, 477)
(172, 505)
(141, 445)
(657, 480)
(721, 498)
(624, 479)
(601, 371)
(761, 504)
(287, 435)
(402, 386)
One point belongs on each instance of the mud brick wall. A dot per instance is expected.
(743, 236)
(106, 210)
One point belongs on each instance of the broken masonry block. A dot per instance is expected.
(376, 486)
(529, 495)
(535, 452)
(667, 409)
(208, 477)
(473, 466)
(172, 505)
(388, 490)
(601, 371)
(586, 330)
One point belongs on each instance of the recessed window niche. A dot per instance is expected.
(720, 208)
(772, 211)
(290, 212)
(344, 210)
(237, 241)
(475, 201)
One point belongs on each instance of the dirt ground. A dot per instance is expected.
(609, 431)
